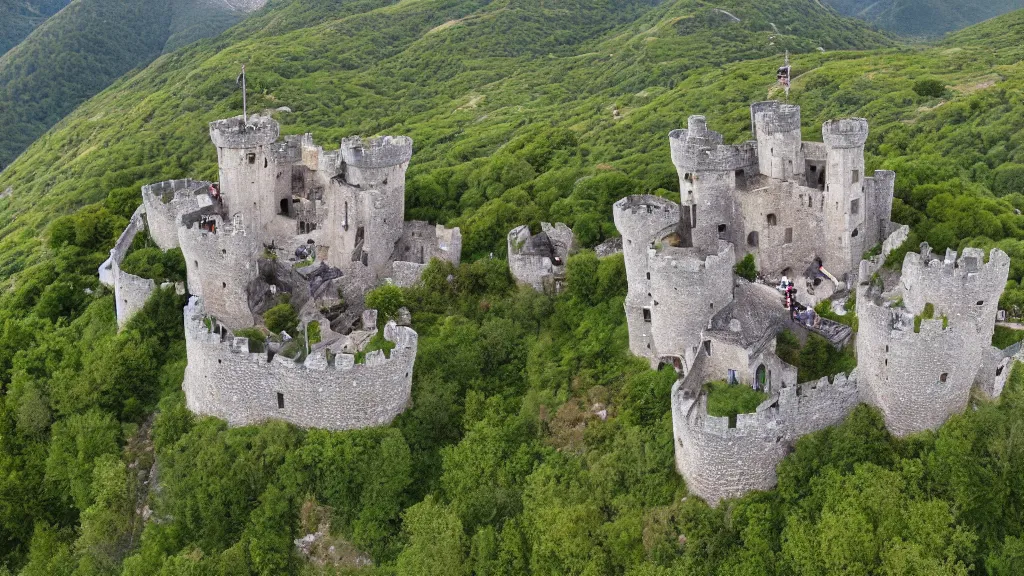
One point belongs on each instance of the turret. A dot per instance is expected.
(368, 208)
(638, 218)
(919, 351)
(844, 194)
(247, 168)
(708, 175)
(776, 128)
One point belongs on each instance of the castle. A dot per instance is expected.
(289, 221)
(807, 212)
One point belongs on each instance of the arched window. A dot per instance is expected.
(752, 239)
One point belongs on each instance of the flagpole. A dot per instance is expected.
(245, 107)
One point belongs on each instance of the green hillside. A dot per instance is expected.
(521, 111)
(20, 17)
(924, 17)
(83, 49)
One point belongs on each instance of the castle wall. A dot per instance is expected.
(528, 269)
(165, 202)
(687, 289)
(421, 241)
(130, 292)
(224, 380)
(878, 194)
(220, 265)
(719, 461)
(638, 219)
(788, 223)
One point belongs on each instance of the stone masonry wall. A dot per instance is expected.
(719, 461)
(919, 379)
(220, 265)
(638, 219)
(130, 292)
(224, 380)
(687, 290)
(165, 202)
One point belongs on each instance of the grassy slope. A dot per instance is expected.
(83, 49)
(924, 17)
(460, 77)
(20, 17)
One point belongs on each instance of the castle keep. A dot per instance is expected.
(806, 212)
(289, 221)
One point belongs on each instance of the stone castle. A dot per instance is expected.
(808, 212)
(289, 221)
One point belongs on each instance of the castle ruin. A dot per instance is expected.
(806, 212)
(289, 221)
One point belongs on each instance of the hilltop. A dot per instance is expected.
(924, 17)
(81, 50)
(19, 17)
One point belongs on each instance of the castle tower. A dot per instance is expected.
(637, 219)
(919, 371)
(776, 128)
(708, 175)
(368, 208)
(844, 194)
(247, 175)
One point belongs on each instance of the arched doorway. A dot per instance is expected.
(761, 377)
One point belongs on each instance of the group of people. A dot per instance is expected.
(797, 311)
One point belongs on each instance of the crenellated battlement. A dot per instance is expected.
(845, 132)
(964, 287)
(698, 149)
(724, 457)
(235, 133)
(326, 390)
(689, 260)
(774, 117)
(374, 153)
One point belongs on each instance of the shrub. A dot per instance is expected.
(386, 299)
(746, 268)
(281, 318)
(730, 400)
(930, 88)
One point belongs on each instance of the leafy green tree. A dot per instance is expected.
(929, 87)
(386, 300)
(747, 268)
(436, 542)
(282, 318)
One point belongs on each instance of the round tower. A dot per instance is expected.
(708, 174)
(844, 194)
(688, 287)
(776, 128)
(374, 170)
(247, 175)
(638, 218)
(918, 355)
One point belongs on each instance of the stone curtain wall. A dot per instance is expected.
(130, 292)
(224, 380)
(720, 462)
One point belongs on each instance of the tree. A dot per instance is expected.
(282, 318)
(436, 542)
(386, 300)
(929, 87)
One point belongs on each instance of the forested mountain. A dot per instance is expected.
(20, 17)
(81, 50)
(924, 17)
(521, 111)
